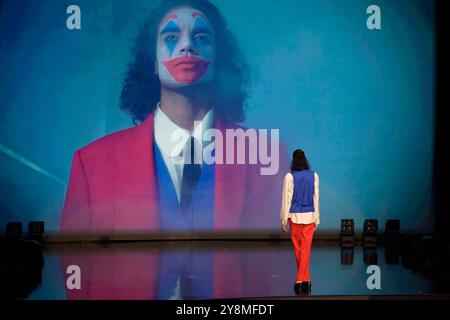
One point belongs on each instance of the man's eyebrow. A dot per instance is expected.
(196, 14)
(170, 27)
(172, 16)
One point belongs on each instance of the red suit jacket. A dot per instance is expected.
(113, 187)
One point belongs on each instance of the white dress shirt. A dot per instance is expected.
(286, 198)
(164, 127)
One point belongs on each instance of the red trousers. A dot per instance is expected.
(302, 235)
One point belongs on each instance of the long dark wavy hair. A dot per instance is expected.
(299, 161)
(142, 89)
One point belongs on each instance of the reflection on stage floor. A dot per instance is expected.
(223, 269)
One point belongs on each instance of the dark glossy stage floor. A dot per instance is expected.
(225, 269)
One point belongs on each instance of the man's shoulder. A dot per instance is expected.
(225, 123)
(109, 140)
(120, 140)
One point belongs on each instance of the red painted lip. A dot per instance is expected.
(189, 61)
(187, 68)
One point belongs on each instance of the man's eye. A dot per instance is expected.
(201, 37)
(170, 38)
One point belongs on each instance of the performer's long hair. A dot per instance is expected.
(299, 161)
(142, 88)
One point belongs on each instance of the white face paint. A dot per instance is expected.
(185, 48)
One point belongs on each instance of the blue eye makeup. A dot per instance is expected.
(170, 39)
(201, 27)
(202, 33)
(170, 27)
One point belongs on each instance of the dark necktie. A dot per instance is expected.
(191, 175)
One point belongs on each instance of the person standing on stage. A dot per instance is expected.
(300, 208)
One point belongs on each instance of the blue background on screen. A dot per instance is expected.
(359, 102)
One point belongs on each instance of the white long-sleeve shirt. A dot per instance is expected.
(286, 198)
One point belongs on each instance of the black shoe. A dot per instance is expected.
(306, 288)
(297, 288)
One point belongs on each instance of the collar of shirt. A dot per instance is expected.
(164, 127)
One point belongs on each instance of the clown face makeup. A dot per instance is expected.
(185, 48)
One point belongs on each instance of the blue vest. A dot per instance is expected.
(200, 215)
(303, 197)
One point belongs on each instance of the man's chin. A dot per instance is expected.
(185, 85)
